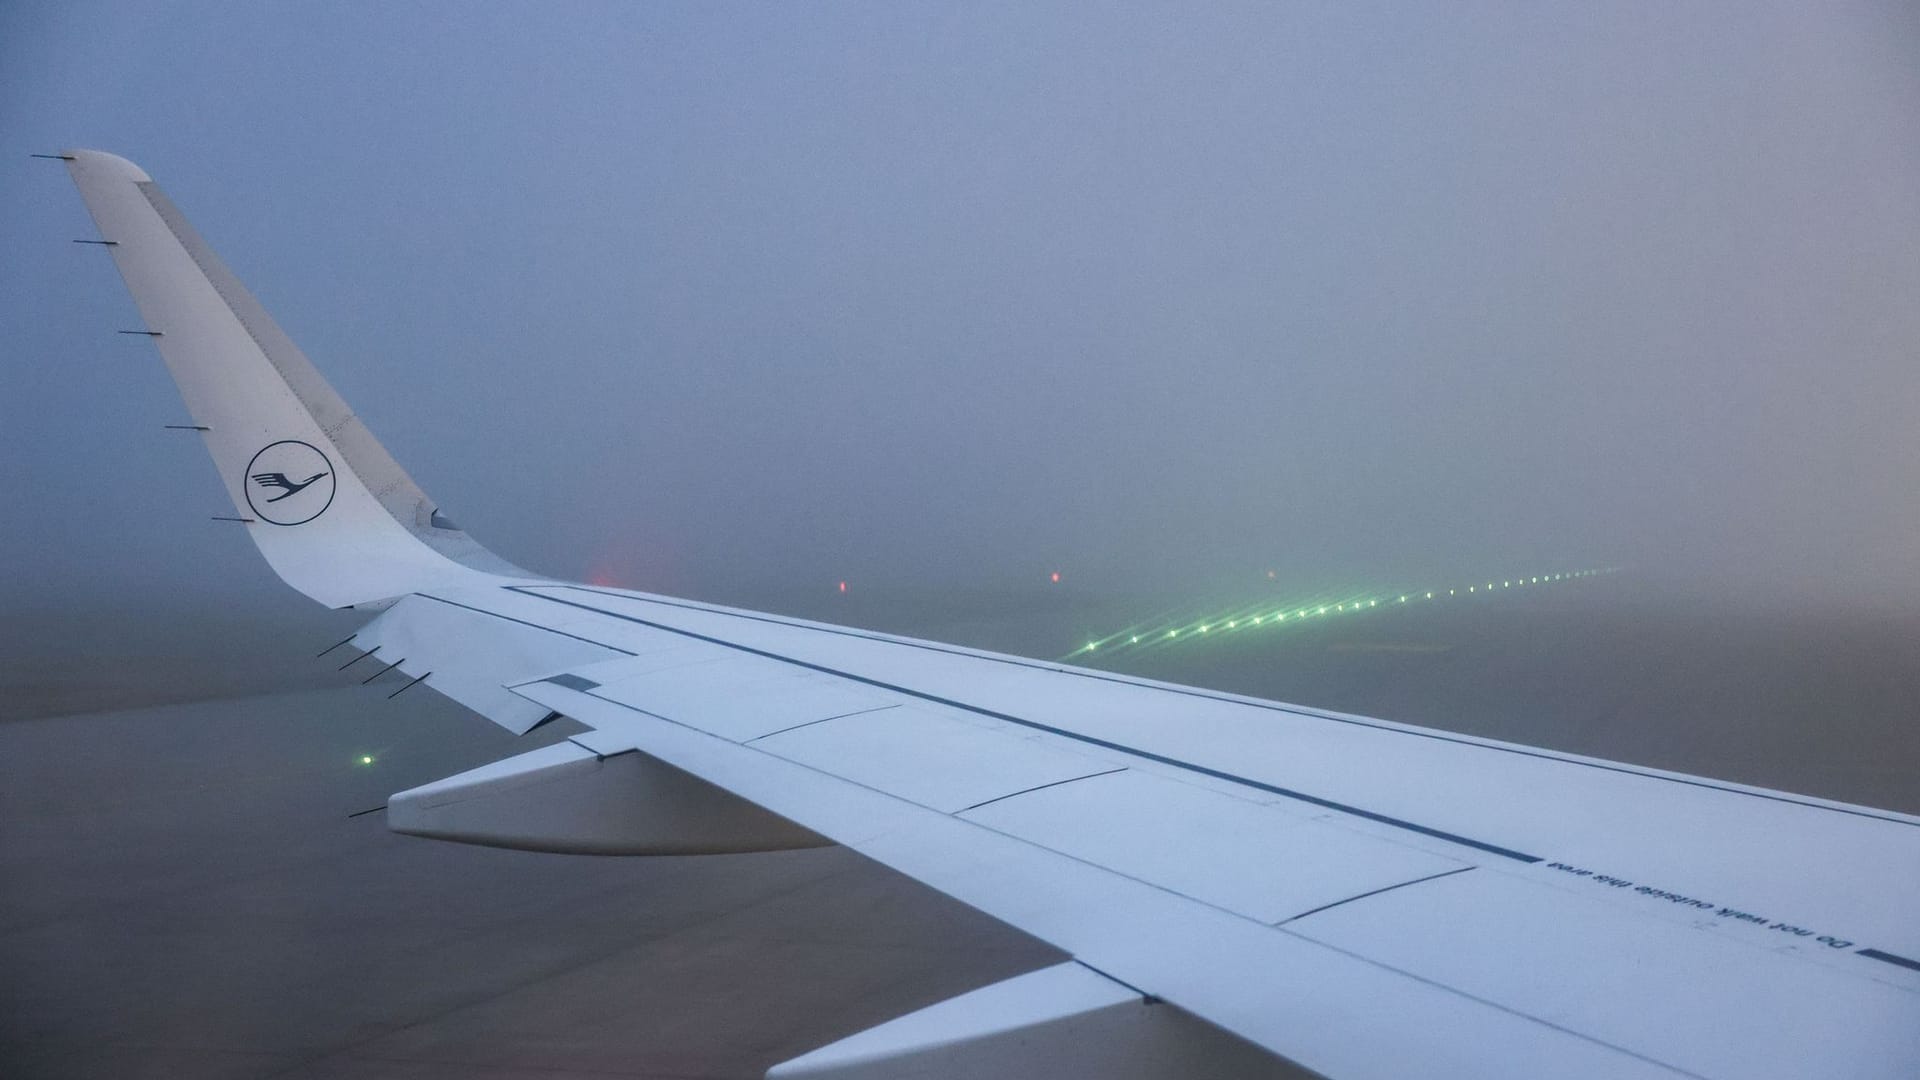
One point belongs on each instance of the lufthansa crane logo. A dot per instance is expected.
(289, 483)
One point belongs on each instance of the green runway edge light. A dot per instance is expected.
(1247, 618)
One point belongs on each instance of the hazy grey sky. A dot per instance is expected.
(692, 296)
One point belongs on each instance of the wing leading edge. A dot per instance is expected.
(1242, 884)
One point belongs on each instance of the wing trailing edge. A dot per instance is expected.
(572, 799)
(1064, 1021)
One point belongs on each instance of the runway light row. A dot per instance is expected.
(1269, 615)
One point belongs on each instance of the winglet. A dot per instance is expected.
(329, 508)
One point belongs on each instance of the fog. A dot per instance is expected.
(743, 302)
(1218, 312)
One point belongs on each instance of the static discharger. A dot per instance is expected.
(409, 686)
(383, 671)
(1241, 620)
(359, 658)
(334, 646)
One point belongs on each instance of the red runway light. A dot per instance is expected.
(843, 586)
(1056, 577)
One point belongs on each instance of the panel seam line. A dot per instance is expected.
(1374, 892)
(1038, 787)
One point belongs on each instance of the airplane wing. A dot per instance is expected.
(1245, 888)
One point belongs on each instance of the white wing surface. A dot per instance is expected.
(1245, 887)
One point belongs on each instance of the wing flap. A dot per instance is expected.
(742, 697)
(1265, 861)
(1297, 998)
(938, 759)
